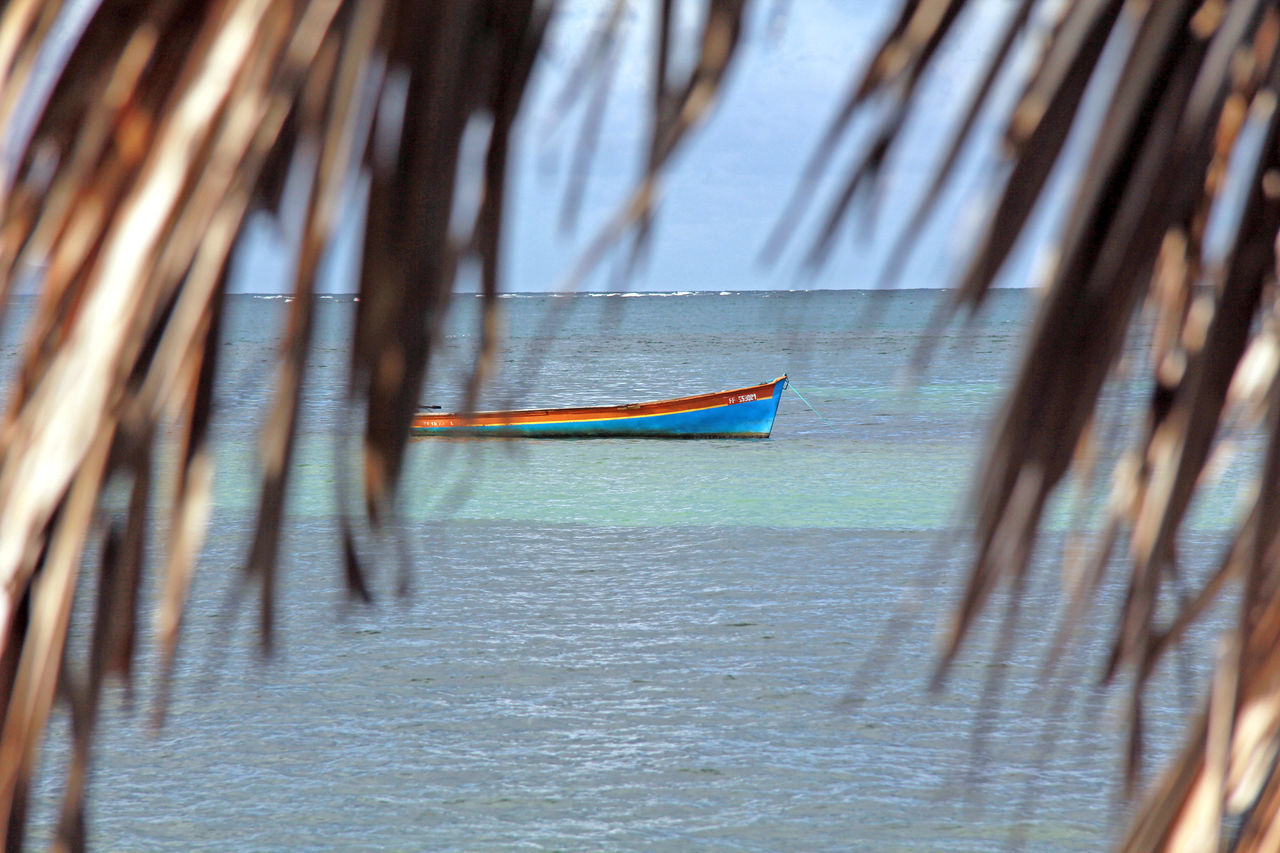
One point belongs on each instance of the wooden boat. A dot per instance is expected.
(738, 413)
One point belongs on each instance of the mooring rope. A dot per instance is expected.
(793, 387)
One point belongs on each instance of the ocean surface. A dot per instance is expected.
(636, 645)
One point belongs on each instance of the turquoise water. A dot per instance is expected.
(630, 644)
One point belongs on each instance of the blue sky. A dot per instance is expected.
(730, 182)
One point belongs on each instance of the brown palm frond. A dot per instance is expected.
(167, 123)
(1184, 82)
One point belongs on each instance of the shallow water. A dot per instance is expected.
(634, 645)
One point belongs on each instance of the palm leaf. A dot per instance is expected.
(168, 122)
(1191, 76)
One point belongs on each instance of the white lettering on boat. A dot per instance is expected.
(742, 398)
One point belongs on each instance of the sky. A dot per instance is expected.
(730, 183)
(731, 180)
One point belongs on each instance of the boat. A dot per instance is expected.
(736, 413)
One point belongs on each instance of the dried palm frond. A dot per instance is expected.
(1193, 95)
(168, 122)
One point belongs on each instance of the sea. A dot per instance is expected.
(640, 645)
